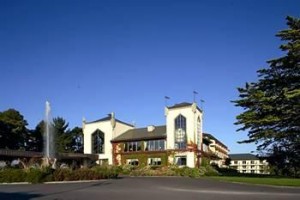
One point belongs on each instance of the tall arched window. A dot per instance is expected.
(180, 132)
(199, 133)
(98, 142)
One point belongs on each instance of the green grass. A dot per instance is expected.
(261, 180)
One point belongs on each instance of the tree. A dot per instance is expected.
(272, 104)
(227, 162)
(13, 131)
(77, 140)
(36, 140)
(63, 138)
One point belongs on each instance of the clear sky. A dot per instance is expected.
(90, 58)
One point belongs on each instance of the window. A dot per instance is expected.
(252, 171)
(154, 161)
(180, 132)
(98, 142)
(252, 161)
(180, 160)
(199, 133)
(133, 162)
(235, 162)
(155, 145)
(132, 146)
(244, 161)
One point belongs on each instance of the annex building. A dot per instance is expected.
(249, 163)
(179, 141)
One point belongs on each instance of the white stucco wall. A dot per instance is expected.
(193, 136)
(191, 116)
(109, 134)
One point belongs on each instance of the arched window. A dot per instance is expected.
(98, 142)
(180, 132)
(199, 133)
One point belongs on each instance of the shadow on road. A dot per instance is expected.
(17, 196)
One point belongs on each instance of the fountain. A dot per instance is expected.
(49, 148)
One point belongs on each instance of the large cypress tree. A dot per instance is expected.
(272, 104)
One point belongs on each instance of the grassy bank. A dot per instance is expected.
(261, 181)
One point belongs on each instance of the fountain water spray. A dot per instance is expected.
(49, 150)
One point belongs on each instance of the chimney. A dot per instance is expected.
(113, 120)
(150, 128)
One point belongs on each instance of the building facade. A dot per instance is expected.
(216, 151)
(178, 142)
(249, 163)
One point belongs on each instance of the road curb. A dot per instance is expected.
(55, 182)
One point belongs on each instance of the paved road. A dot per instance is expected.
(148, 188)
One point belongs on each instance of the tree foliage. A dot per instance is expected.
(63, 137)
(272, 104)
(14, 134)
(36, 140)
(77, 140)
(13, 131)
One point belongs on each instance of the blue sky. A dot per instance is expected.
(89, 58)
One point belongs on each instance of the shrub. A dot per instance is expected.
(62, 175)
(188, 172)
(12, 175)
(210, 171)
(205, 162)
(34, 175)
(85, 174)
(126, 169)
(146, 171)
(228, 172)
(107, 171)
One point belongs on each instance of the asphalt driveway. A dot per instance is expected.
(148, 188)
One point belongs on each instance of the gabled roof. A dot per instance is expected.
(183, 104)
(179, 105)
(108, 118)
(210, 136)
(139, 134)
(243, 156)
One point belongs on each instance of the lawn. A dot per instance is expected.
(262, 181)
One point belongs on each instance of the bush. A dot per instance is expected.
(228, 172)
(85, 174)
(126, 169)
(34, 175)
(188, 172)
(107, 171)
(210, 171)
(12, 175)
(37, 175)
(172, 170)
(62, 175)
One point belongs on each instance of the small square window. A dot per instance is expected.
(180, 160)
(154, 161)
(134, 162)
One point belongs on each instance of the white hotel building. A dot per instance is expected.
(178, 142)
